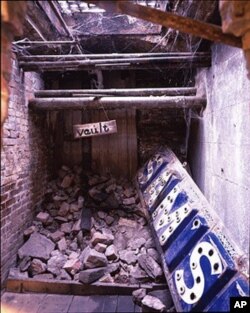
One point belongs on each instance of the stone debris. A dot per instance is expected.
(164, 295)
(107, 278)
(62, 244)
(101, 238)
(91, 275)
(138, 295)
(56, 236)
(29, 231)
(94, 259)
(56, 263)
(90, 228)
(150, 266)
(153, 303)
(43, 217)
(100, 247)
(111, 253)
(37, 246)
(64, 209)
(128, 257)
(37, 267)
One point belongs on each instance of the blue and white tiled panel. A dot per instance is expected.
(153, 167)
(200, 263)
(209, 271)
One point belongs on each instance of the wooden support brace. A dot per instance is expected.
(188, 91)
(175, 102)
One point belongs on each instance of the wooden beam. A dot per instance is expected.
(56, 19)
(35, 28)
(69, 57)
(120, 92)
(164, 102)
(170, 20)
(53, 17)
(137, 63)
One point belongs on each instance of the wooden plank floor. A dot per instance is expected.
(52, 303)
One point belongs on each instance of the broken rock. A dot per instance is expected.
(64, 209)
(111, 253)
(129, 201)
(138, 295)
(94, 259)
(150, 266)
(43, 217)
(67, 181)
(25, 263)
(100, 247)
(107, 278)
(128, 256)
(109, 220)
(36, 267)
(126, 222)
(164, 295)
(64, 275)
(15, 273)
(136, 243)
(56, 263)
(153, 303)
(91, 275)
(66, 227)
(29, 231)
(37, 246)
(101, 238)
(44, 276)
(72, 266)
(62, 244)
(57, 235)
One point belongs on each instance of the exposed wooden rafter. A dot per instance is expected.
(161, 102)
(181, 23)
(115, 63)
(188, 91)
(56, 19)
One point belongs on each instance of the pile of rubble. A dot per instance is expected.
(89, 228)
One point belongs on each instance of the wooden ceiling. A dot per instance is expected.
(86, 28)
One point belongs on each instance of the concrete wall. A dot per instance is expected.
(24, 165)
(219, 153)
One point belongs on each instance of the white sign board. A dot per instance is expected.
(95, 129)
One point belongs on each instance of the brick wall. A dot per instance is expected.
(24, 165)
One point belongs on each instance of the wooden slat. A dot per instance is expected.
(77, 144)
(116, 153)
(132, 141)
(68, 138)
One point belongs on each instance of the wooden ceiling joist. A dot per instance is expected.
(183, 24)
(188, 91)
(186, 61)
(162, 102)
(55, 19)
(68, 57)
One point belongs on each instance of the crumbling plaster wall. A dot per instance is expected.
(24, 164)
(219, 151)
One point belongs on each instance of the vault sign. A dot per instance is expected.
(95, 129)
